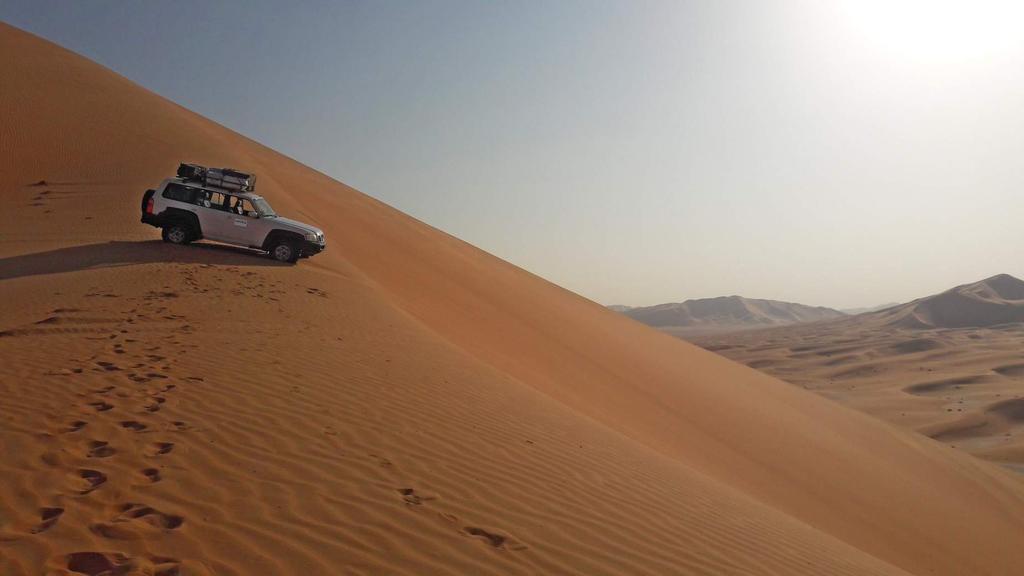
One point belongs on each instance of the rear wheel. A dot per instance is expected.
(284, 251)
(177, 234)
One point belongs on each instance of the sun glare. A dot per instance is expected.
(936, 31)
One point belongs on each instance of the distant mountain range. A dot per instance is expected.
(727, 312)
(989, 302)
(867, 309)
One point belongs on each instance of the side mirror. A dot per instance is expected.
(253, 214)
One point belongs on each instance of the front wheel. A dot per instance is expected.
(284, 251)
(177, 234)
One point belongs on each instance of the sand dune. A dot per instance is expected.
(727, 312)
(863, 310)
(959, 385)
(993, 301)
(402, 403)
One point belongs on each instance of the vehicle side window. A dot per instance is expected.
(245, 207)
(214, 200)
(180, 193)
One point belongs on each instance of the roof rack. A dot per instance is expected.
(224, 178)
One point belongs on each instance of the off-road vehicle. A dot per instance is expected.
(220, 204)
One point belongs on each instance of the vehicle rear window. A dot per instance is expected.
(180, 193)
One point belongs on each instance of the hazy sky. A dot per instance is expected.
(833, 153)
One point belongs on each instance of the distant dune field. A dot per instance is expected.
(403, 403)
(950, 366)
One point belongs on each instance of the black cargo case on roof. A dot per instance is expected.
(191, 171)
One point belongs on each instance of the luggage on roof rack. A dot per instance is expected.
(230, 179)
(225, 178)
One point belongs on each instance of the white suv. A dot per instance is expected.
(188, 210)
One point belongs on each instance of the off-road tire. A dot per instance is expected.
(284, 251)
(177, 233)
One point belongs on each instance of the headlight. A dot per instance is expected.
(311, 236)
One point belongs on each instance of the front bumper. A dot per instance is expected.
(308, 248)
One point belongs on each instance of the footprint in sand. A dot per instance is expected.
(135, 520)
(148, 376)
(412, 498)
(160, 448)
(133, 425)
(93, 478)
(152, 474)
(149, 515)
(100, 449)
(108, 366)
(101, 406)
(48, 517)
(113, 563)
(75, 426)
(494, 539)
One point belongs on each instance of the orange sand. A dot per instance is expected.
(402, 403)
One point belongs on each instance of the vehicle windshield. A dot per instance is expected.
(263, 208)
